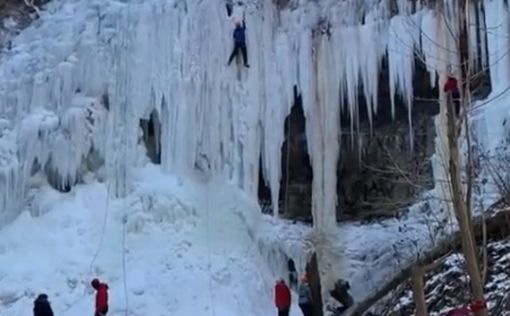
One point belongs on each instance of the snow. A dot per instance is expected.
(187, 251)
(446, 287)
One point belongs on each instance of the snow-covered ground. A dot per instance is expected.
(447, 286)
(187, 251)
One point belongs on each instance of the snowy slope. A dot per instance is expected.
(187, 252)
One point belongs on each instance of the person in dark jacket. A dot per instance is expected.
(42, 306)
(239, 43)
(305, 296)
(101, 297)
(341, 293)
(282, 298)
(293, 276)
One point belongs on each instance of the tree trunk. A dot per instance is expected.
(460, 207)
(312, 270)
(461, 204)
(417, 274)
(497, 226)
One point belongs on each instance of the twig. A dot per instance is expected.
(30, 3)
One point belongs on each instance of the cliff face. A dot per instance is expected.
(380, 169)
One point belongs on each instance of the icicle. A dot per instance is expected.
(482, 30)
(372, 43)
(430, 44)
(498, 42)
(402, 39)
(473, 36)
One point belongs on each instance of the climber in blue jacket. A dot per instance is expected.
(239, 43)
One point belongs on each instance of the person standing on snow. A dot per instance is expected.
(282, 298)
(293, 275)
(305, 297)
(101, 297)
(42, 306)
(239, 43)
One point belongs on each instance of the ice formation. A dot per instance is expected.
(66, 92)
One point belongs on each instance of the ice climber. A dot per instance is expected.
(42, 306)
(101, 297)
(305, 296)
(451, 88)
(239, 43)
(282, 298)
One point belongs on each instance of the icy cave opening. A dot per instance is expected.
(295, 195)
(151, 129)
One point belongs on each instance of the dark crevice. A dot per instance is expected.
(263, 191)
(296, 183)
(105, 101)
(36, 167)
(56, 181)
(152, 136)
(376, 162)
(229, 8)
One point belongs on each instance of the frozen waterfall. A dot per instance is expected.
(79, 83)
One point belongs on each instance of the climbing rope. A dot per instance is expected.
(103, 231)
(211, 297)
(96, 254)
(124, 222)
(124, 249)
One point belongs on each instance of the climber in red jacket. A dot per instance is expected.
(451, 88)
(101, 297)
(282, 298)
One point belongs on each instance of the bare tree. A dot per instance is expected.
(454, 122)
(417, 274)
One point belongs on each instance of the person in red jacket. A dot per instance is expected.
(282, 298)
(101, 297)
(451, 87)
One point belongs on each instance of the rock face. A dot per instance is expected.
(380, 169)
(381, 173)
